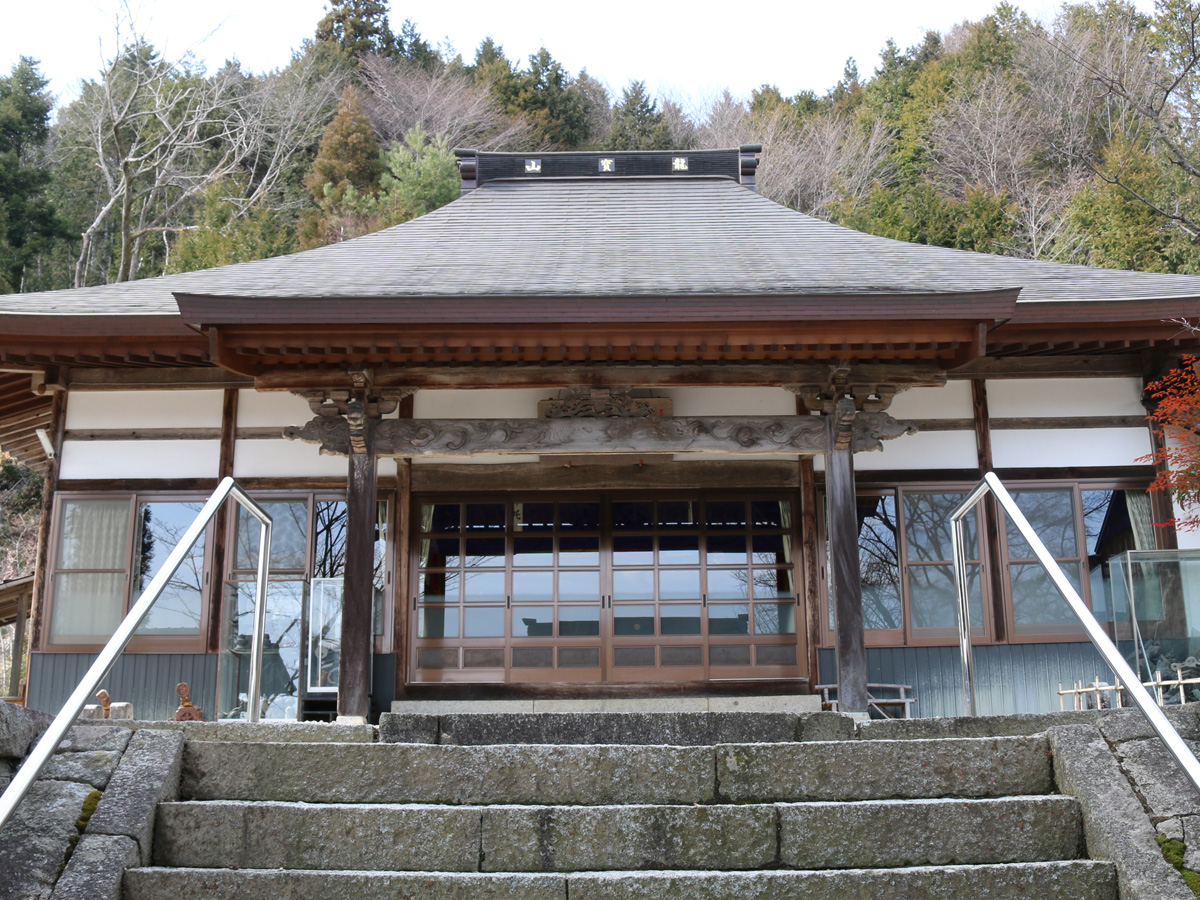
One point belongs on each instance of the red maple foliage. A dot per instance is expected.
(1177, 419)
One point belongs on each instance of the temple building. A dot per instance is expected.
(610, 424)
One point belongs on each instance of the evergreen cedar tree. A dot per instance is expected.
(1177, 418)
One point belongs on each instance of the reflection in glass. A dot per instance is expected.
(579, 516)
(633, 550)
(437, 622)
(533, 621)
(437, 553)
(679, 549)
(324, 633)
(679, 618)
(726, 584)
(676, 514)
(483, 621)
(1036, 601)
(533, 516)
(774, 618)
(485, 551)
(160, 527)
(771, 513)
(437, 517)
(933, 597)
(678, 584)
(578, 621)
(438, 587)
(878, 562)
(575, 586)
(633, 620)
(726, 549)
(771, 549)
(281, 650)
(770, 584)
(533, 586)
(482, 586)
(927, 528)
(289, 535)
(725, 514)
(532, 551)
(579, 551)
(483, 517)
(633, 584)
(728, 618)
(1052, 515)
(636, 516)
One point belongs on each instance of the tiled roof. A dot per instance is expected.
(621, 238)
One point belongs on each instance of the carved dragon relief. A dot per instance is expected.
(331, 432)
(587, 402)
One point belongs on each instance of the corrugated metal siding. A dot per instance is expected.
(145, 679)
(1010, 678)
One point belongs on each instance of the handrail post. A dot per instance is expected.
(23, 780)
(1107, 649)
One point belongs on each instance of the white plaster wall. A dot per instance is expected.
(1029, 397)
(267, 409)
(283, 459)
(731, 401)
(923, 450)
(140, 459)
(1058, 447)
(479, 404)
(89, 410)
(951, 401)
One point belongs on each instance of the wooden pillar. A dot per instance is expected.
(402, 589)
(845, 580)
(354, 667)
(989, 510)
(810, 557)
(18, 647)
(220, 529)
(41, 580)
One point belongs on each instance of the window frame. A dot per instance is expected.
(183, 643)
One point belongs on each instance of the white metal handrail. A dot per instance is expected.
(1095, 632)
(23, 780)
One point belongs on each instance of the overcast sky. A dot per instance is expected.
(676, 50)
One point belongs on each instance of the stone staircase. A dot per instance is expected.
(621, 805)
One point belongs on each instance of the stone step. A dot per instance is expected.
(606, 774)
(1074, 880)
(249, 834)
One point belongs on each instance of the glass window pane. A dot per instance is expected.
(437, 622)
(633, 584)
(927, 528)
(94, 535)
(579, 516)
(483, 517)
(728, 618)
(438, 517)
(633, 550)
(933, 598)
(533, 621)
(86, 605)
(771, 549)
(632, 516)
(633, 620)
(770, 584)
(329, 527)
(289, 536)
(438, 587)
(774, 618)
(180, 605)
(483, 621)
(725, 514)
(679, 550)
(576, 586)
(579, 551)
(677, 514)
(578, 621)
(324, 632)
(678, 584)
(533, 551)
(485, 551)
(281, 649)
(727, 584)
(438, 553)
(533, 586)
(726, 549)
(481, 587)
(878, 562)
(771, 513)
(1036, 601)
(1052, 515)
(533, 516)
(679, 618)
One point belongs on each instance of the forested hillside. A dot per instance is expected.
(1073, 140)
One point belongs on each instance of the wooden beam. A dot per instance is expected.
(358, 595)
(1112, 366)
(552, 377)
(159, 379)
(745, 474)
(842, 516)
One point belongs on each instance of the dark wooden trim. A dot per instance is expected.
(765, 474)
(1113, 366)
(1040, 423)
(982, 424)
(841, 514)
(264, 433)
(50, 485)
(220, 529)
(357, 640)
(1161, 507)
(992, 550)
(20, 652)
(553, 377)
(810, 560)
(205, 485)
(402, 586)
(165, 379)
